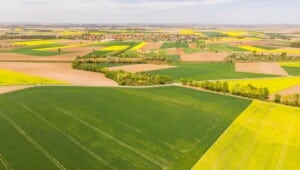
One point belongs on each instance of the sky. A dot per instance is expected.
(151, 11)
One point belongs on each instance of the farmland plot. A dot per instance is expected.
(111, 128)
(15, 78)
(206, 71)
(264, 137)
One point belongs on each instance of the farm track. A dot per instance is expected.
(121, 143)
(4, 162)
(33, 142)
(76, 142)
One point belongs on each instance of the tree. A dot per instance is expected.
(225, 88)
(59, 50)
(277, 98)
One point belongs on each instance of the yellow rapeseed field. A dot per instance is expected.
(235, 33)
(34, 42)
(232, 39)
(274, 85)
(139, 46)
(190, 32)
(115, 48)
(290, 63)
(70, 32)
(264, 137)
(15, 78)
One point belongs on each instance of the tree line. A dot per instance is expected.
(249, 90)
(126, 78)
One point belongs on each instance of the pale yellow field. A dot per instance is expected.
(232, 39)
(16, 78)
(70, 32)
(35, 42)
(139, 46)
(274, 85)
(275, 51)
(115, 48)
(235, 33)
(265, 136)
(290, 64)
(190, 32)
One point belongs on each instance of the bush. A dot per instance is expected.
(277, 98)
(296, 44)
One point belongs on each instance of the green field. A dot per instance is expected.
(221, 47)
(206, 71)
(214, 34)
(293, 71)
(179, 44)
(111, 128)
(264, 137)
(34, 52)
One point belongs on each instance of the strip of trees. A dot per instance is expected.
(126, 78)
(261, 57)
(238, 89)
(291, 99)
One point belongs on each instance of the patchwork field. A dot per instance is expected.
(109, 128)
(8, 77)
(183, 100)
(264, 137)
(206, 71)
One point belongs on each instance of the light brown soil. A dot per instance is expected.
(151, 46)
(204, 57)
(60, 71)
(175, 51)
(192, 45)
(141, 67)
(7, 89)
(261, 68)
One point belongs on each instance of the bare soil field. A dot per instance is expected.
(7, 89)
(60, 71)
(151, 46)
(175, 51)
(192, 45)
(141, 67)
(261, 68)
(204, 57)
